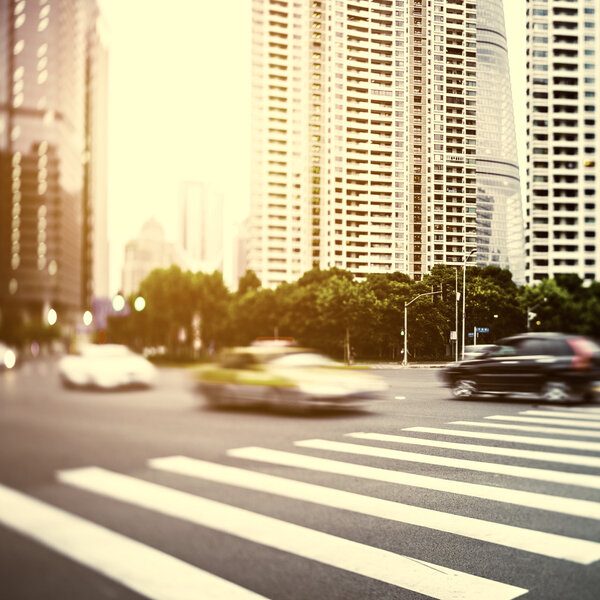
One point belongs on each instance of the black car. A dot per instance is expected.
(554, 367)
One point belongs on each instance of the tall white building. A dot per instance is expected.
(563, 210)
(365, 121)
(202, 226)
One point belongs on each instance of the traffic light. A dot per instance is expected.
(445, 290)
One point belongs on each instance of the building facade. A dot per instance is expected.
(563, 86)
(364, 132)
(149, 251)
(202, 226)
(43, 92)
(500, 219)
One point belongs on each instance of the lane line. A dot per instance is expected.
(554, 414)
(416, 575)
(521, 439)
(567, 422)
(532, 429)
(568, 506)
(132, 564)
(571, 459)
(546, 544)
(582, 480)
(400, 398)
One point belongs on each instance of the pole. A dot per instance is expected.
(405, 336)
(475, 335)
(463, 310)
(456, 315)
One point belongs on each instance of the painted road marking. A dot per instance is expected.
(403, 571)
(134, 565)
(590, 481)
(567, 422)
(521, 439)
(571, 459)
(546, 544)
(532, 429)
(569, 506)
(553, 414)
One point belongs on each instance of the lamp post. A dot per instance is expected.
(406, 305)
(529, 315)
(464, 319)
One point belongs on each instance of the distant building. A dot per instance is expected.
(563, 128)
(202, 226)
(147, 252)
(50, 84)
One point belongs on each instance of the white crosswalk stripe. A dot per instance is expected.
(532, 429)
(556, 546)
(567, 414)
(572, 459)
(157, 575)
(141, 568)
(569, 506)
(416, 575)
(591, 481)
(503, 437)
(546, 421)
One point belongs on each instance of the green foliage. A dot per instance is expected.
(332, 311)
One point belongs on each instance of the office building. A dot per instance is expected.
(500, 222)
(149, 251)
(365, 137)
(563, 86)
(202, 226)
(44, 93)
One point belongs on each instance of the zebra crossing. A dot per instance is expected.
(158, 575)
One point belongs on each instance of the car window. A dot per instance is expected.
(238, 361)
(303, 359)
(534, 347)
(503, 350)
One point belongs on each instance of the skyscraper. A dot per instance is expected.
(43, 149)
(365, 125)
(563, 86)
(500, 234)
(202, 226)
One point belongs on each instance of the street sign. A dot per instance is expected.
(471, 334)
(482, 329)
(453, 335)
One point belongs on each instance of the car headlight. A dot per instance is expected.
(9, 359)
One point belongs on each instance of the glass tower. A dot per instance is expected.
(500, 239)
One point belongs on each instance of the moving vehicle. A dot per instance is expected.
(105, 366)
(285, 376)
(475, 350)
(8, 357)
(554, 367)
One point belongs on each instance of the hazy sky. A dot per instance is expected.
(179, 88)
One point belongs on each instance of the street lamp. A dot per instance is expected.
(530, 315)
(464, 319)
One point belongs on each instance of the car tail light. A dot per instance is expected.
(584, 354)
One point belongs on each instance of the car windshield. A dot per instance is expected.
(303, 359)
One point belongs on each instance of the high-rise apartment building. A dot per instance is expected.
(43, 152)
(365, 123)
(563, 87)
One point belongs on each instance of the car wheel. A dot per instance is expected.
(464, 389)
(557, 391)
(213, 396)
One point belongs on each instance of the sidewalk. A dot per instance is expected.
(410, 365)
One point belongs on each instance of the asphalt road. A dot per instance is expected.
(87, 511)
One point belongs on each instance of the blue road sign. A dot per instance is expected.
(482, 329)
(471, 334)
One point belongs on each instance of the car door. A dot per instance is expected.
(524, 371)
(496, 367)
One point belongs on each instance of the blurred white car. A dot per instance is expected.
(106, 366)
(8, 358)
